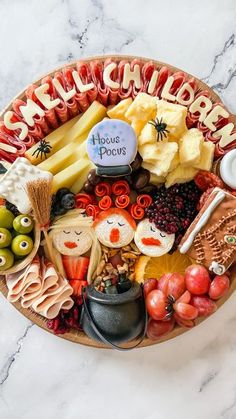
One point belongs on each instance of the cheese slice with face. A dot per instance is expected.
(115, 228)
(151, 241)
(72, 241)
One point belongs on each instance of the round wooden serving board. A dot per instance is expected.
(77, 336)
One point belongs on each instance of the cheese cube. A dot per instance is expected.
(147, 135)
(166, 152)
(207, 155)
(142, 108)
(190, 147)
(118, 111)
(150, 153)
(156, 180)
(174, 116)
(180, 175)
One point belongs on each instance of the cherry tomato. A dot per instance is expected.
(186, 311)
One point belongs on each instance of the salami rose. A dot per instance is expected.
(83, 199)
(120, 187)
(122, 201)
(92, 210)
(105, 203)
(102, 189)
(144, 200)
(136, 211)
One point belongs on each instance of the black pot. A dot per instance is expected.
(114, 318)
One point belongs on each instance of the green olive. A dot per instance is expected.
(6, 259)
(5, 238)
(6, 218)
(22, 245)
(23, 224)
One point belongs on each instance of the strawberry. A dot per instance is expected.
(77, 286)
(75, 267)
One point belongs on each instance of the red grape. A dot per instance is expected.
(183, 322)
(197, 279)
(185, 297)
(204, 305)
(157, 328)
(176, 285)
(186, 311)
(163, 283)
(149, 285)
(219, 286)
(156, 304)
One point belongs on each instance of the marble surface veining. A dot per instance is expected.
(193, 376)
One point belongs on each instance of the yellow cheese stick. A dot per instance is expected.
(78, 185)
(60, 159)
(67, 177)
(94, 114)
(55, 140)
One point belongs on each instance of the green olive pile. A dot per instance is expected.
(15, 243)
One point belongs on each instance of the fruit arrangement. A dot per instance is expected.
(182, 298)
(16, 241)
(128, 171)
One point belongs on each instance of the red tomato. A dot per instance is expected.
(149, 285)
(204, 305)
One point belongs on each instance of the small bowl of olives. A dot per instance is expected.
(19, 241)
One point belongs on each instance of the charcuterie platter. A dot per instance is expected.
(118, 202)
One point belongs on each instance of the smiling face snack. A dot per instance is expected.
(151, 241)
(72, 241)
(114, 227)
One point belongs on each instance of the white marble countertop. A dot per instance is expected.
(193, 376)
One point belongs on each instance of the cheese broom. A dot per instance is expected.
(40, 196)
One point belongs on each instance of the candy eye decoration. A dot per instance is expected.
(2, 261)
(26, 222)
(230, 240)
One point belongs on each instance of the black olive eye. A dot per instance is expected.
(162, 234)
(2, 261)
(66, 232)
(78, 234)
(109, 222)
(121, 225)
(24, 245)
(152, 229)
(26, 222)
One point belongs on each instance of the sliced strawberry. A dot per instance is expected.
(77, 286)
(75, 266)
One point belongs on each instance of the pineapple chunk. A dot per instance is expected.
(55, 140)
(190, 147)
(78, 185)
(60, 159)
(118, 111)
(67, 177)
(142, 108)
(207, 155)
(166, 153)
(180, 175)
(147, 135)
(156, 180)
(174, 116)
(94, 114)
(150, 153)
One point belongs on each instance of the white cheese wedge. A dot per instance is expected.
(207, 155)
(142, 108)
(118, 111)
(165, 154)
(180, 175)
(174, 116)
(147, 135)
(190, 147)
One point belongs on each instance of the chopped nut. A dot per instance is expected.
(129, 255)
(126, 248)
(134, 247)
(100, 267)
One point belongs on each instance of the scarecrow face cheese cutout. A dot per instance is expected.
(151, 241)
(72, 241)
(114, 227)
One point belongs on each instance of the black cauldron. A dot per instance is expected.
(114, 318)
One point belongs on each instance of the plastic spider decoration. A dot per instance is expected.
(43, 149)
(160, 127)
